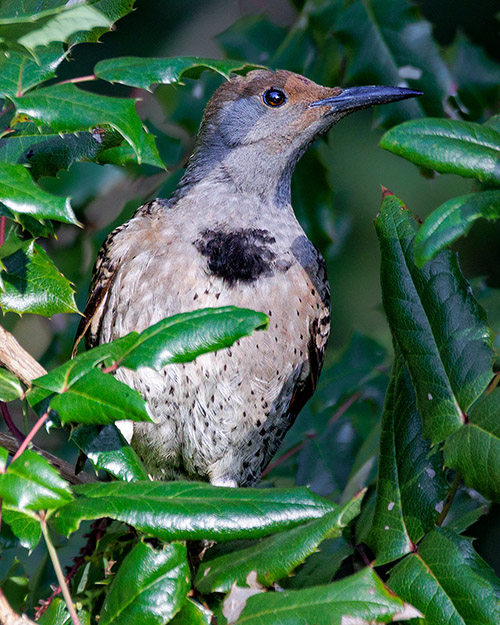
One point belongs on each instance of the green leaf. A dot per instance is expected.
(440, 328)
(10, 387)
(65, 108)
(47, 152)
(98, 398)
(410, 483)
(452, 220)
(192, 613)
(474, 451)
(112, 9)
(359, 598)
(20, 194)
(448, 146)
(108, 450)
(123, 154)
(32, 283)
(57, 614)
(184, 337)
(274, 557)
(388, 43)
(61, 27)
(25, 525)
(190, 510)
(33, 28)
(20, 71)
(31, 483)
(448, 582)
(150, 586)
(179, 338)
(144, 72)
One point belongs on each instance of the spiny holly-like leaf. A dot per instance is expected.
(123, 154)
(389, 43)
(186, 336)
(113, 10)
(449, 146)
(274, 557)
(39, 26)
(31, 283)
(20, 194)
(448, 582)
(452, 220)
(108, 450)
(24, 524)
(65, 108)
(144, 72)
(190, 510)
(99, 399)
(410, 481)
(150, 586)
(359, 598)
(20, 71)
(47, 152)
(60, 27)
(31, 483)
(474, 451)
(179, 338)
(440, 328)
(10, 387)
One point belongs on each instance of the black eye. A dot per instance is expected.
(274, 97)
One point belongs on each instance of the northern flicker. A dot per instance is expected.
(228, 236)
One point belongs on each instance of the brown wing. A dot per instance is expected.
(318, 339)
(103, 276)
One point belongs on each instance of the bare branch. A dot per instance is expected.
(64, 468)
(17, 360)
(9, 617)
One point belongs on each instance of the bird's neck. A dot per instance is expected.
(246, 169)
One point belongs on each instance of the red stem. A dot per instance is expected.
(2, 230)
(31, 435)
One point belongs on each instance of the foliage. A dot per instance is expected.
(399, 466)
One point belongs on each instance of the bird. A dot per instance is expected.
(228, 236)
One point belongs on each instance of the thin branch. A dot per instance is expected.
(17, 360)
(19, 436)
(64, 468)
(97, 531)
(344, 407)
(78, 79)
(449, 500)
(291, 452)
(58, 570)
(2, 230)
(9, 617)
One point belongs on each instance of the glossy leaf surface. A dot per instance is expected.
(410, 486)
(31, 283)
(359, 598)
(452, 220)
(10, 387)
(440, 328)
(474, 451)
(31, 483)
(449, 146)
(108, 450)
(190, 510)
(145, 72)
(150, 586)
(20, 194)
(20, 71)
(65, 108)
(448, 582)
(275, 557)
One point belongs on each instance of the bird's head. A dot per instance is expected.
(279, 109)
(263, 122)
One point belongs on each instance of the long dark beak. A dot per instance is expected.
(356, 98)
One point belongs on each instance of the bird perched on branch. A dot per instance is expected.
(228, 236)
